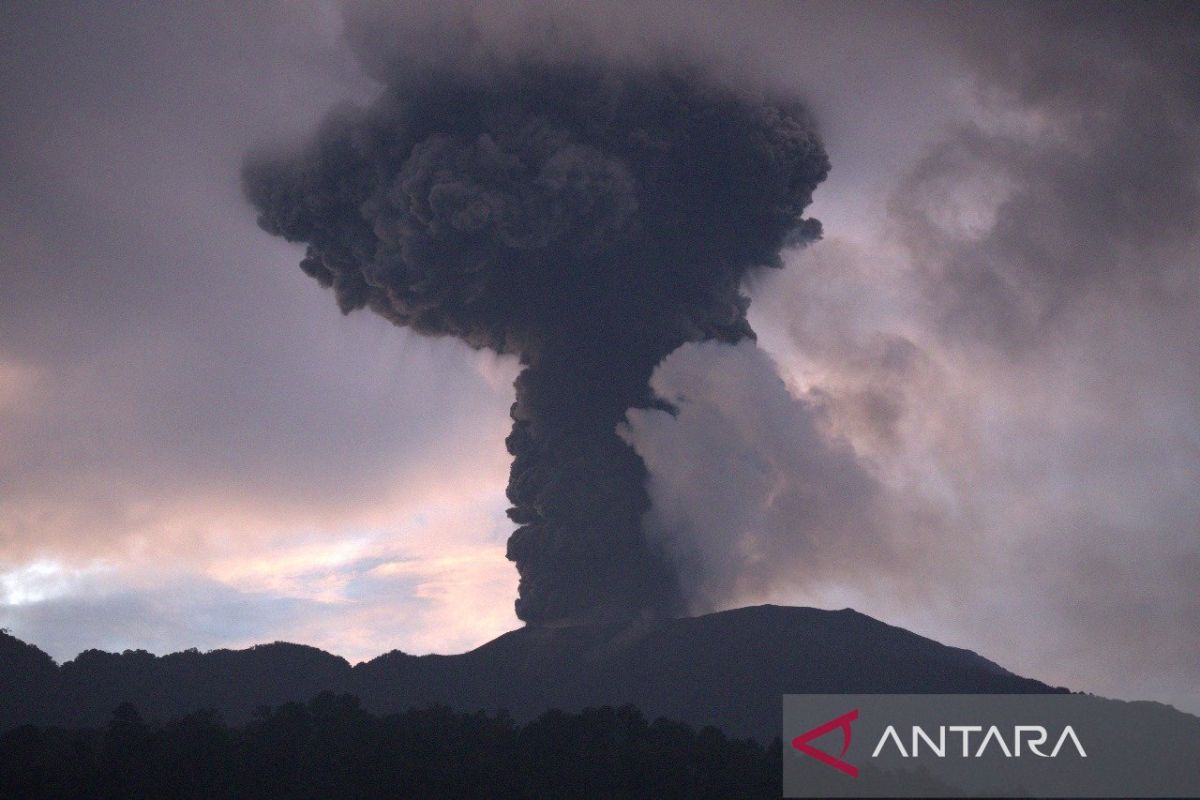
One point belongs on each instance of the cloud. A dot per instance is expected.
(1079, 174)
(753, 494)
(432, 578)
(1039, 274)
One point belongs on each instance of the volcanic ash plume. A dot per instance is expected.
(588, 220)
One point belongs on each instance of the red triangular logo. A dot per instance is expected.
(801, 742)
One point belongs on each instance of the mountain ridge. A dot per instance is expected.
(726, 669)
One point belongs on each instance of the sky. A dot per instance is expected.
(973, 409)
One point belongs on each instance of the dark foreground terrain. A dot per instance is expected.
(675, 708)
(332, 748)
(727, 670)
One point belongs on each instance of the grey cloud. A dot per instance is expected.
(750, 495)
(1041, 275)
(1092, 164)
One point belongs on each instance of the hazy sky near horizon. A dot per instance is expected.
(973, 411)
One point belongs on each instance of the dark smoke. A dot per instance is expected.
(588, 220)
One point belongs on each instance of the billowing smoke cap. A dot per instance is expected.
(482, 207)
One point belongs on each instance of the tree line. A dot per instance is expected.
(332, 748)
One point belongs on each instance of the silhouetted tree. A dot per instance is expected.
(332, 747)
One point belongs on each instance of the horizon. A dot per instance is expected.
(642, 622)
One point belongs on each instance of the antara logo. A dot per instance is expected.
(1032, 736)
(801, 742)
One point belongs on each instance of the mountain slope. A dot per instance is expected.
(727, 669)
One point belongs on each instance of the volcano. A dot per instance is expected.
(726, 669)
